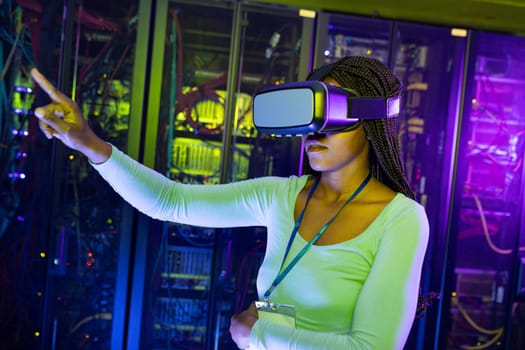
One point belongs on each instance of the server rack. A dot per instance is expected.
(483, 287)
(209, 60)
(461, 130)
(75, 228)
(429, 61)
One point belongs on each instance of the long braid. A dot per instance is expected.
(370, 77)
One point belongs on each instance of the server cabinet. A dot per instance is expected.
(483, 290)
(461, 130)
(429, 62)
(98, 61)
(209, 59)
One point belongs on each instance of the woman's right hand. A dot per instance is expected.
(63, 120)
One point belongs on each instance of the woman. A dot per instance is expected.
(345, 245)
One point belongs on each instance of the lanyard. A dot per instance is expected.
(282, 273)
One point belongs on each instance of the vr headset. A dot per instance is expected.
(314, 106)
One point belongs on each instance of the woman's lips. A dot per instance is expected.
(314, 147)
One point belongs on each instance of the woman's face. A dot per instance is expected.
(331, 152)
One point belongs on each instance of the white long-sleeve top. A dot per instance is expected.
(358, 294)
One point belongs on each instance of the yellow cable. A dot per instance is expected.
(486, 230)
(498, 332)
(98, 316)
(471, 322)
(485, 345)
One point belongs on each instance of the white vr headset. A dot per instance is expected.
(314, 106)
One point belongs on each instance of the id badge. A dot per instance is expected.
(278, 313)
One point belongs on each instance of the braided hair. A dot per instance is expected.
(370, 77)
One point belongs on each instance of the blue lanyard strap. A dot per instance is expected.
(282, 273)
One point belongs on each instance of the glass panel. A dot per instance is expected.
(177, 286)
(270, 55)
(428, 61)
(266, 60)
(197, 278)
(66, 244)
(485, 278)
(89, 232)
(357, 36)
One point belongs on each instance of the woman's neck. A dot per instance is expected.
(339, 185)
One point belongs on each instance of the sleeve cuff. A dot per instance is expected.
(114, 154)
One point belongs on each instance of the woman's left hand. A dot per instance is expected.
(241, 326)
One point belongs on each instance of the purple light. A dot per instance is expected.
(16, 176)
(23, 89)
(19, 132)
(21, 111)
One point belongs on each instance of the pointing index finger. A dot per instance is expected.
(49, 88)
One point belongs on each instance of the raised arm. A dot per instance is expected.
(240, 204)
